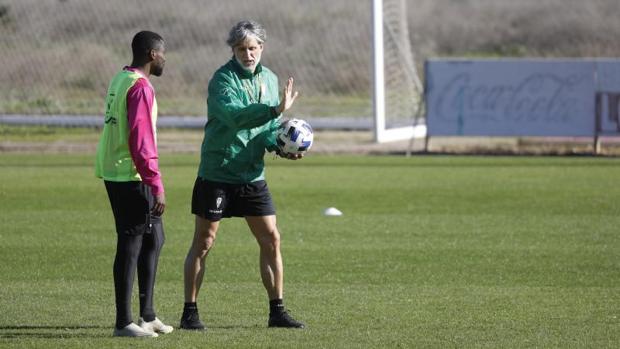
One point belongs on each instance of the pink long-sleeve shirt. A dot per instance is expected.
(142, 132)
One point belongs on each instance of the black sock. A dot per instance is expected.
(276, 306)
(120, 324)
(148, 317)
(190, 307)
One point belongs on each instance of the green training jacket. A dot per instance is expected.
(241, 121)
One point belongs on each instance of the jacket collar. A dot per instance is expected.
(244, 73)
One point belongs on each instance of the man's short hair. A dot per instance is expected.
(145, 41)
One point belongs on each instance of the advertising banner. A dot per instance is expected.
(607, 100)
(512, 97)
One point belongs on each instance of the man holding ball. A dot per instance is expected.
(243, 113)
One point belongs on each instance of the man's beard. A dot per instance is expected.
(157, 70)
(250, 69)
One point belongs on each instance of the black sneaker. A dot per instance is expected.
(283, 319)
(191, 321)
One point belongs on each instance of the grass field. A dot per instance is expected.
(437, 252)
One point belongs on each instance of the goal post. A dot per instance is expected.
(397, 90)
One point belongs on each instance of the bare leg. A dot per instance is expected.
(204, 238)
(268, 238)
(271, 269)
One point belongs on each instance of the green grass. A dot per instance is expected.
(45, 134)
(431, 252)
(82, 102)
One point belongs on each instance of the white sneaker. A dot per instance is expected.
(155, 326)
(133, 330)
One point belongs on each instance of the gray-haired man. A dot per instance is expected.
(243, 112)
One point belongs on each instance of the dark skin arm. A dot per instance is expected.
(160, 204)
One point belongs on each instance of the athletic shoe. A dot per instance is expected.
(155, 326)
(133, 330)
(191, 321)
(283, 319)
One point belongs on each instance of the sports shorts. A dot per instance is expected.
(131, 204)
(216, 200)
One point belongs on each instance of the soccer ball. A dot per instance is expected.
(294, 136)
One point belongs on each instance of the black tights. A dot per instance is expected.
(142, 252)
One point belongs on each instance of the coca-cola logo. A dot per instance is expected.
(539, 97)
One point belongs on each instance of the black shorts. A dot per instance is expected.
(131, 204)
(215, 200)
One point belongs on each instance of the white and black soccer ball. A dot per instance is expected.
(294, 136)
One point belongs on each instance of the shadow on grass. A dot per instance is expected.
(50, 332)
(72, 331)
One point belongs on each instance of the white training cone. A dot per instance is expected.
(332, 211)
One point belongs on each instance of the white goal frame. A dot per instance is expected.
(381, 133)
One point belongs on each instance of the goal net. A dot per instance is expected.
(398, 95)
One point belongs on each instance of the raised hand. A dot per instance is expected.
(288, 96)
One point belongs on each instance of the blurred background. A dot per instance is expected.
(57, 56)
